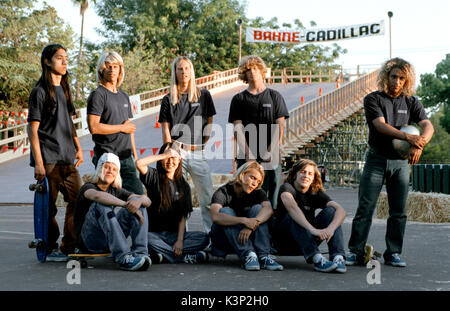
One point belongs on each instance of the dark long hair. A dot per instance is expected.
(164, 186)
(46, 78)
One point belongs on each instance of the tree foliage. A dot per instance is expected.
(205, 30)
(434, 91)
(25, 32)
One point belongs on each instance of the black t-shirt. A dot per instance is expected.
(113, 108)
(83, 204)
(263, 108)
(169, 220)
(307, 202)
(396, 111)
(184, 113)
(55, 128)
(227, 197)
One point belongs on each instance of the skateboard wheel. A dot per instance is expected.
(83, 263)
(36, 243)
(32, 187)
(40, 188)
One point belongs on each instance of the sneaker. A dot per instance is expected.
(198, 257)
(147, 263)
(351, 259)
(132, 263)
(395, 261)
(268, 263)
(340, 262)
(324, 265)
(251, 262)
(56, 256)
(156, 258)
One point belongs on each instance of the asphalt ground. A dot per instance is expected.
(425, 251)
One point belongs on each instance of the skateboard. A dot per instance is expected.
(82, 258)
(370, 253)
(40, 213)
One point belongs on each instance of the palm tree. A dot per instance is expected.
(84, 4)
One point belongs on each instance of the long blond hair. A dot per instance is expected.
(403, 66)
(113, 58)
(243, 169)
(100, 174)
(193, 91)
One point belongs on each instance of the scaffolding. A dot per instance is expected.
(341, 150)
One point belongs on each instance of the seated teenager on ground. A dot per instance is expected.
(171, 206)
(297, 229)
(99, 229)
(240, 210)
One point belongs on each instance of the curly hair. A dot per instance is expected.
(250, 61)
(316, 185)
(405, 67)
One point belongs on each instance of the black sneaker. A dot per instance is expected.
(132, 263)
(199, 257)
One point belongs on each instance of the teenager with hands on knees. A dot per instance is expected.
(297, 229)
(99, 229)
(240, 210)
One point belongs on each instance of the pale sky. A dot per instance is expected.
(420, 29)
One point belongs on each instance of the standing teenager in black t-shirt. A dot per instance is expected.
(298, 230)
(171, 206)
(185, 115)
(258, 115)
(109, 112)
(387, 110)
(55, 145)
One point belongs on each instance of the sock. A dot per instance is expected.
(317, 257)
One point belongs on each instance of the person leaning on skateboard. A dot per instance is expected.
(109, 113)
(99, 229)
(55, 145)
(387, 110)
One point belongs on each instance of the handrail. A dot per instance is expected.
(316, 115)
(14, 140)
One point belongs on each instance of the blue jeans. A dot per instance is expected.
(195, 164)
(224, 239)
(104, 231)
(376, 169)
(162, 242)
(291, 237)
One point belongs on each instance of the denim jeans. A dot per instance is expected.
(376, 169)
(105, 231)
(289, 235)
(195, 164)
(224, 239)
(129, 174)
(162, 242)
